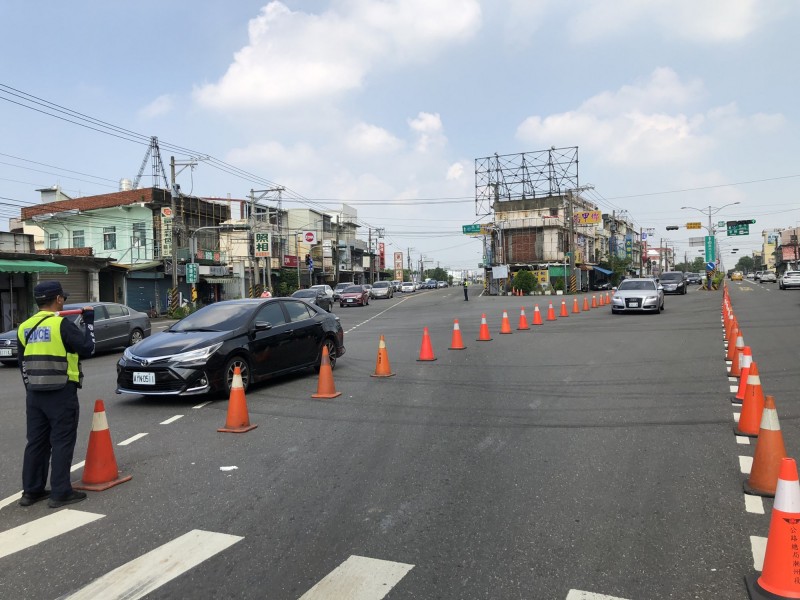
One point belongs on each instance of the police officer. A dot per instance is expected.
(466, 293)
(50, 347)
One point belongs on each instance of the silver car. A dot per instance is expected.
(382, 289)
(638, 295)
(790, 279)
(767, 277)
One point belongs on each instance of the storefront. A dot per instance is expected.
(17, 280)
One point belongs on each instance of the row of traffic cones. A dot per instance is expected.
(772, 474)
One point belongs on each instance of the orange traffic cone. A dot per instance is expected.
(457, 343)
(778, 577)
(736, 363)
(575, 309)
(483, 334)
(608, 298)
(732, 344)
(747, 360)
(326, 388)
(523, 320)
(585, 303)
(237, 421)
(382, 368)
(752, 405)
(551, 313)
(768, 454)
(100, 471)
(537, 316)
(563, 312)
(594, 301)
(505, 326)
(426, 349)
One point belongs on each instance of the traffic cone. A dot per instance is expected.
(768, 454)
(237, 421)
(779, 578)
(326, 388)
(575, 309)
(457, 343)
(505, 326)
(594, 301)
(608, 298)
(752, 405)
(382, 368)
(523, 320)
(426, 349)
(551, 313)
(563, 312)
(537, 316)
(585, 303)
(747, 360)
(736, 363)
(732, 343)
(100, 471)
(483, 334)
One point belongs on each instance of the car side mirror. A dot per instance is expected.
(262, 326)
(613, 289)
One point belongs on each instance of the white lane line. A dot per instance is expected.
(732, 380)
(11, 499)
(171, 420)
(359, 578)
(150, 571)
(77, 466)
(740, 439)
(745, 464)
(736, 416)
(728, 369)
(758, 546)
(206, 403)
(43, 529)
(580, 595)
(734, 389)
(132, 439)
(377, 315)
(754, 504)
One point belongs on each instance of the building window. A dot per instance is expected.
(109, 238)
(553, 211)
(139, 235)
(78, 239)
(53, 241)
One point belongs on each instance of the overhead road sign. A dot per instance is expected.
(471, 229)
(694, 225)
(739, 227)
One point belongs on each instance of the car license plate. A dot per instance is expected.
(144, 378)
(5, 351)
(633, 302)
(351, 300)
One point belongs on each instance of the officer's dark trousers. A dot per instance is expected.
(52, 419)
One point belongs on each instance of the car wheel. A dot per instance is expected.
(331, 354)
(341, 305)
(614, 311)
(244, 370)
(136, 336)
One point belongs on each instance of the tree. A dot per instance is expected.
(746, 264)
(525, 281)
(618, 266)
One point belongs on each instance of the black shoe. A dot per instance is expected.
(30, 498)
(71, 499)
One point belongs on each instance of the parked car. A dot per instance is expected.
(757, 275)
(262, 337)
(694, 278)
(601, 285)
(325, 288)
(354, 295)
(790, 279)
(768, 277)
(737, 276)
(368, 287)
(408, 286)
(338, 289)
(750, 275)
(673, 282)
(639, 294)
(317, 297)
(382, 289)
(397, 285)
(115, 326)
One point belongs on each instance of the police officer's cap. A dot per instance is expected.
(48, 290)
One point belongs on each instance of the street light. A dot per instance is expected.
(711, 210)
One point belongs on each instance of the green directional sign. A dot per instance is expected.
(474, 228)
(739, 229)
(191, 272)
(711, 248)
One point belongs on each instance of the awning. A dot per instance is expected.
(602, 270)
(141, 266)
(31, 266)
(219, 279)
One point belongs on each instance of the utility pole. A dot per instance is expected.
(173, 196)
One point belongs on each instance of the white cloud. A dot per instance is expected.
(370, 140)
(158, 107)
(295, 57)
(429, 130)
(455, 171)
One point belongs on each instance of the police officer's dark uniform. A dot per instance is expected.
(49, 349)
(466, 293)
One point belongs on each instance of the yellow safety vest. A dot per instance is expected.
(47, 364)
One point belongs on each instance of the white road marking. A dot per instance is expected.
(732, 380)
(734, 389)
(378, 315)
(580, 595)
(754, 504)
(203, 404)
(740, 439)
(171, 420)
(43, 529)
(132, 439)
(745, 464)
(359, 578)
(77, 466)
(728, 369)
(736, 416)
(758, 546)
(11, 499)
(150, 571)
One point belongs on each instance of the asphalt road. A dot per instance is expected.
(594, 453)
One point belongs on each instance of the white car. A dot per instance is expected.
(325, 288)
(767, 277)
(408, 286)
(397, 285)
(790, 279)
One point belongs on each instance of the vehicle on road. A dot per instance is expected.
(317, 297)
(694, 278)
(338, 289)
(750, 275)
(408, 286)
(382, 289)
(354, 295)
(325, 288)
(264, 338)
(397, 285)
(737, 276)
(757, 276)
(601, 285)
(789, 280)
(368, 287)
(673, 282)
(441, 284)
(768, 277)
(640, 294)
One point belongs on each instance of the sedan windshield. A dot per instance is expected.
(216, 317)
(353, 289)
(671, 276)
(637, 285)
(312, 293)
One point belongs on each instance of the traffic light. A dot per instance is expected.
(672, 227)
(308, 259)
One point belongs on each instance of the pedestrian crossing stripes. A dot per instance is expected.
(359, 578)
(579, 595)
(43, 529)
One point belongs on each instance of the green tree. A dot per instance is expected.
(618, 266)
(525, 281)
(438, 274)
(746, 264)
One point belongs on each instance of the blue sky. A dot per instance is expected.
(381, 104)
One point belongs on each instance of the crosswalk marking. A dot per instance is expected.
(758, 546)
(579, 595)
(359, 578)
(745, 464)
(754, 504)
(40, 530)
(14, 497)
(740, 439)
(150, 571)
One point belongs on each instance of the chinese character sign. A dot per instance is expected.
(262, 245)
(381, 256)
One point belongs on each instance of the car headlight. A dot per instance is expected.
(199, 356)
(651, 298)
(127, 355)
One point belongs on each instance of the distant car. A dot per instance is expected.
(601, 285)
(325, 288)
(441, 284)
(750, 275)
(408, 286)
(382, 289)
(757, 276)
(354, 295)
(673, 282)
(338, 289)
(368, 287)
(317, 297)
(694, 278)
(397, 285)
(790, 279)
(737, 276)
(640, 294)
(263, 338)
(768, 277)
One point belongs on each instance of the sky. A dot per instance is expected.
(385, 105)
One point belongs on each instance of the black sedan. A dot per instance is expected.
(317, 297)
(198, 354)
